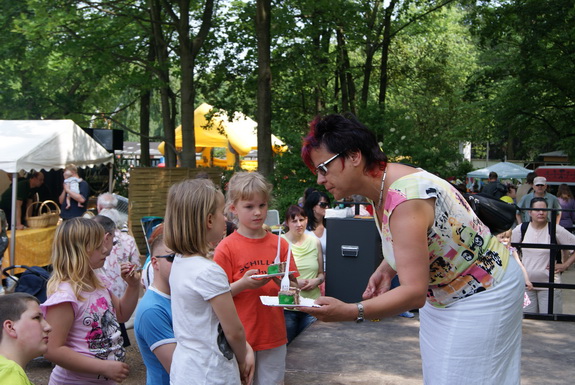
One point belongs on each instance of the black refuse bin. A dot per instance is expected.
(353, 253)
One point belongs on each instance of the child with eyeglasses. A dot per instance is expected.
(249, 251)
(153, 324)
(86, 342)
(211, 342)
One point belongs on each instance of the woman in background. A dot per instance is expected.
(567, 202)
(511, 194)
(536, 261)
(315, 206)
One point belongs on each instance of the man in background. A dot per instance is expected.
(107, 201)
(539, 191)
(24, 191)
(74, 210)
(494, 187)
(526, 187)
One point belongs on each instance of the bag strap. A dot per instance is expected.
(524, 227)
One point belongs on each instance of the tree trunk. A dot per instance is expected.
(371, 44)
(510, 150)
(189, 50)
(166, 94)
(187, 106)
(336, 89)
(188, 154)
(385, 54)
(345, 76)
(145, 99)
(321, 44)
(145, 128)
(264, 93)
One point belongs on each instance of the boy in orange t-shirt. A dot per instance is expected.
(249, 251)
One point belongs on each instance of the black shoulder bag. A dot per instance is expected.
(496, 214)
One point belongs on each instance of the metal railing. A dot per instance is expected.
(553, 256)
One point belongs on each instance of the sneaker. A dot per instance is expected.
(407, 314)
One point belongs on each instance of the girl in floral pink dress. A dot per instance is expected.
(85, 343)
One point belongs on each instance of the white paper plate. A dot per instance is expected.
(269, 275)
(274, 301)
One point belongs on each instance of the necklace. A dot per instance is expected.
(379, 201)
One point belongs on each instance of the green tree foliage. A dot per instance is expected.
(524, 83)
(410, 69)
(73, 61)
(426, 114)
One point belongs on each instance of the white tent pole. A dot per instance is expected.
(110, 177)
(13, 218)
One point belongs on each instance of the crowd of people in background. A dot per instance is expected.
(533, 226)
(533, 220)
(201, 315)
(93, 289)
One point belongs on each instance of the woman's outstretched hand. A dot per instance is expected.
(380, 281)
(332, 310)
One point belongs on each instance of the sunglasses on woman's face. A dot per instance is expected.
(323, 205)
(169, 257)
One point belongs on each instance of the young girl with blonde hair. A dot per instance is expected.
(211, 344)
(85, 343)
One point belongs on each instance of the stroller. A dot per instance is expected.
(32, 281)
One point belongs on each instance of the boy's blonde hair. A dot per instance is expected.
(74, 241)
(506, 233)
(245, 185)
(189, 204)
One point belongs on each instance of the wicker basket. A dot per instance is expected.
(53, 213)
(36, 222)
(47, 216)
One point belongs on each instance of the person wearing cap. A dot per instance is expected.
(539, 191)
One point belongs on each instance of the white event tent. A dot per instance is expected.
(504, 170)
(27, 145)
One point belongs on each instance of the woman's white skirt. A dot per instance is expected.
(476, 340)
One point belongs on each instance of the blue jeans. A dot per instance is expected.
(296, 322)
